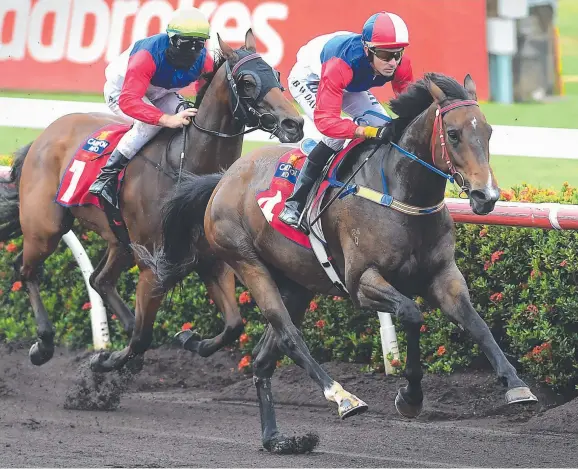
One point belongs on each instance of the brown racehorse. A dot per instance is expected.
(230, 100)
(385, 255)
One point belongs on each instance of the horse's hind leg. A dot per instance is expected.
(219, 279)
(376, 294)
(266, 293)
(450, 292)
(41, 238)
(105, 277)
(267, 353)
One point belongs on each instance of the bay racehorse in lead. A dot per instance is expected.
(385, 252)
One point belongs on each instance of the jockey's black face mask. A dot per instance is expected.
(183, 52)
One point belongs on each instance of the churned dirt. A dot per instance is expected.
(183, 410)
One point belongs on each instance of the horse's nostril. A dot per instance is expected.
(480, 196)
(290, 126)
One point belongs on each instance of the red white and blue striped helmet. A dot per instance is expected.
(385, 31)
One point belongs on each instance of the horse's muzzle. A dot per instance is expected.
(291, 130)
(483, 202)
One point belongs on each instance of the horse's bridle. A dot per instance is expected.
(244, 111)
(438, 130)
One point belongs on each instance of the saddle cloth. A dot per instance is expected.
(85, 166)
(272, 200)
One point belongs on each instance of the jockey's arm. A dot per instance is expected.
(403, 76)
(140, 71)
(335, 76)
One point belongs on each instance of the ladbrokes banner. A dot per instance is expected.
(65, 45)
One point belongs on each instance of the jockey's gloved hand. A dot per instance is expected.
(384, 133)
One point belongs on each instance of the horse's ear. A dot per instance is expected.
(250, 42)
(470, 87)
(226, 49)
(436, 92)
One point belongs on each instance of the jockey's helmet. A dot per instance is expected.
(385, 30)
(189, 23)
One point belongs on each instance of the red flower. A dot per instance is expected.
(496, 256)
(85, 237)
(532, 309)
(86, 306)
(395, 363)
(564, 263)
(337, 298)
(423, 328)
(313, 305)
(244, 321)
(487, 265)
(483, 233)
(244, 298)
(11, 247)
(320, 324)
(243, 339)
(547, 380)
(497, 297)
(186, 326)
(16, 285)
(1, 292)
(113, 317)
(245, 362)
(535, 273)
(507, 195)
(211, 302)
(441, 351)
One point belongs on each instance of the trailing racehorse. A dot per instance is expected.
(392, 238)
(243, 90)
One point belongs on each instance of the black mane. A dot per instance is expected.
(417, 97)
(208, 77)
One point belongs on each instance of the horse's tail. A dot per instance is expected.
(183, 214)
(10, 198)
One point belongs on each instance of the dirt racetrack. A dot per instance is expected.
(183, 410)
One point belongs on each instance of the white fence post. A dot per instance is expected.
(100, 333)
(388, 341)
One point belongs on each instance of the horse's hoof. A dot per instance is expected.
(409, 411)
(97, 362)
(40, 357)
(520, 395)
(351, 406)
(292, 445)
(189, 340)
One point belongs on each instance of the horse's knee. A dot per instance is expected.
(409, 314)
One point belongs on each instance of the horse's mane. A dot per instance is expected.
(417, 98)
(219, 60)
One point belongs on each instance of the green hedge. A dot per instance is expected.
(524, 283)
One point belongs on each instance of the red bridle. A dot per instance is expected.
(438, 129)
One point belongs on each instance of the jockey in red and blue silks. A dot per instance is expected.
(143, 83)
(334, 73)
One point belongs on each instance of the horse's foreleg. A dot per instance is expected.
(104, 280)
(219, 279)
(266, 293)
(266, 355)
(376, 294)
(450, 292)
(148, 300)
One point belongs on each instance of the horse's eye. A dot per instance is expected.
(453, 136)
(248, 84)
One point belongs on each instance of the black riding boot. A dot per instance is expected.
(316, 161)
(105, 184)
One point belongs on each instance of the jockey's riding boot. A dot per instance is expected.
(309, 173)
(105, 184)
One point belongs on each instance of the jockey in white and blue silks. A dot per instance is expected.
(334, 73)
(142, 84)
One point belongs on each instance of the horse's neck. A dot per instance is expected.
(409, 181)
(208, 153)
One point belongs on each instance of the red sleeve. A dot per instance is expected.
(403, 76)
(207, 67)
(335, 76)
(139, 73)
